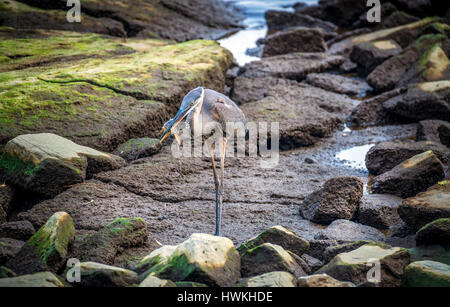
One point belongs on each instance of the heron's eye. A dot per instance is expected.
(192, 103)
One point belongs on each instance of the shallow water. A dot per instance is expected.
(355, 156)
(255, 24)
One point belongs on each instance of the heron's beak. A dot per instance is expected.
(171, 124)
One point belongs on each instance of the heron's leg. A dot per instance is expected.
(222, 171)
(216, 185)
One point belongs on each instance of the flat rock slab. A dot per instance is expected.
(339, 84)
(379, 210)
(348, 231)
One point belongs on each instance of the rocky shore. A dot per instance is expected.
(82, 175)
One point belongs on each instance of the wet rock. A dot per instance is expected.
(396, 19)
(354, 266)
(322, 281)
(437, 253)
(41, 279)
(134, 149)
(94, 274)
(46, 163)
(348, 34)
(444, 134)
(280, 20)
(280, 236)
(339, 84)
(338, 199)
(427, 100)
(19, 230)
(427, 130)
(436, 232)
(9, 248)
(48, 248)
(386, 155)
(301, 262)
(426, 207)
(271, 279)
(266, 258)
(332, 251)
(369, 55)
(5, 272)
(291, 66)
(411, 176)
(154, 282)
(347, 231)
(317, 247)
(427, 274)
(205, 259)
(401, 230)
(113, 239)
(424, 61)
(379, 210)
(313, 263)
(294, 40)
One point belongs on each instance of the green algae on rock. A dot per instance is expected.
(427, 274)
(40, 279)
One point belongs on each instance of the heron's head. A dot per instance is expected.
(189, 103)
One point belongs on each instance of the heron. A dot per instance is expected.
(207, 111)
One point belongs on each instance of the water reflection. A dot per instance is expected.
(355, 156)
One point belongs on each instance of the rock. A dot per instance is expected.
(309, 161)
(427, 274)
(437, 253)
(2, 215)
(343, 12)
(190, 284)
(94, 274)
(19, 230)
(403, 35)
(5, 272)
(266, 258)
(205, 259)
(294, 66)
(369, 55)
(317, 247)
(322, 281)
(6, 201)
(348, 66)
(154, 282)
(134, 149)
(401, 230)
(155, 260)
(347, 231)
(280, 20)
(313, 263)
(48, 248)
(412, 176)
(422, 7)
(379, 210)
(396, 19)
(41, 279)
(247, 90)
(438, 28)
(386, 155)
(427, 100)
(9, 248)
(423, 61)
(271, 279)
(114, 238)
(46, 163)
(426, 207)
(338, 199)
(294, 40)
(436, 232)
(354, 266)
(280, 236)
(427, 130)
(333, 251)
(444, 134)
(339, 84)
(301, 262)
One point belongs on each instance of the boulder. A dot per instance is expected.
(348, 231)
(429, 100)
(155, 260)
(342, 12)
(339, 84)
(410, 177)
(266, 258)
(103, 245)
(94, 274)
(386, 155)
(379, 210)
(205, 259)
(317, 247)
(6, 201)
(280, 236)
(41, 279)
(46, 163)
(427, 130)
(355, 266)
(48, 248)
(134, 149)
(322, 281)
(369, 55)
(9, 248)
(436, 232)
(271, 279)
(339, 198)
(154, 282)
(444, 134)
(396, 19)
(424, 61)
(426, 207)
(301, 262)
(437, 253)
(294, 40)
(332, 251)
(427, 274)
(19, 230)
(280, 20)
(313, 263)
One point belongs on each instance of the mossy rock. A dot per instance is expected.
(40, 279)
(271, 279)
(154, 282)
(5, 272)
(427, 274)
(436, 232)
(154, 261)
(134, 149)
